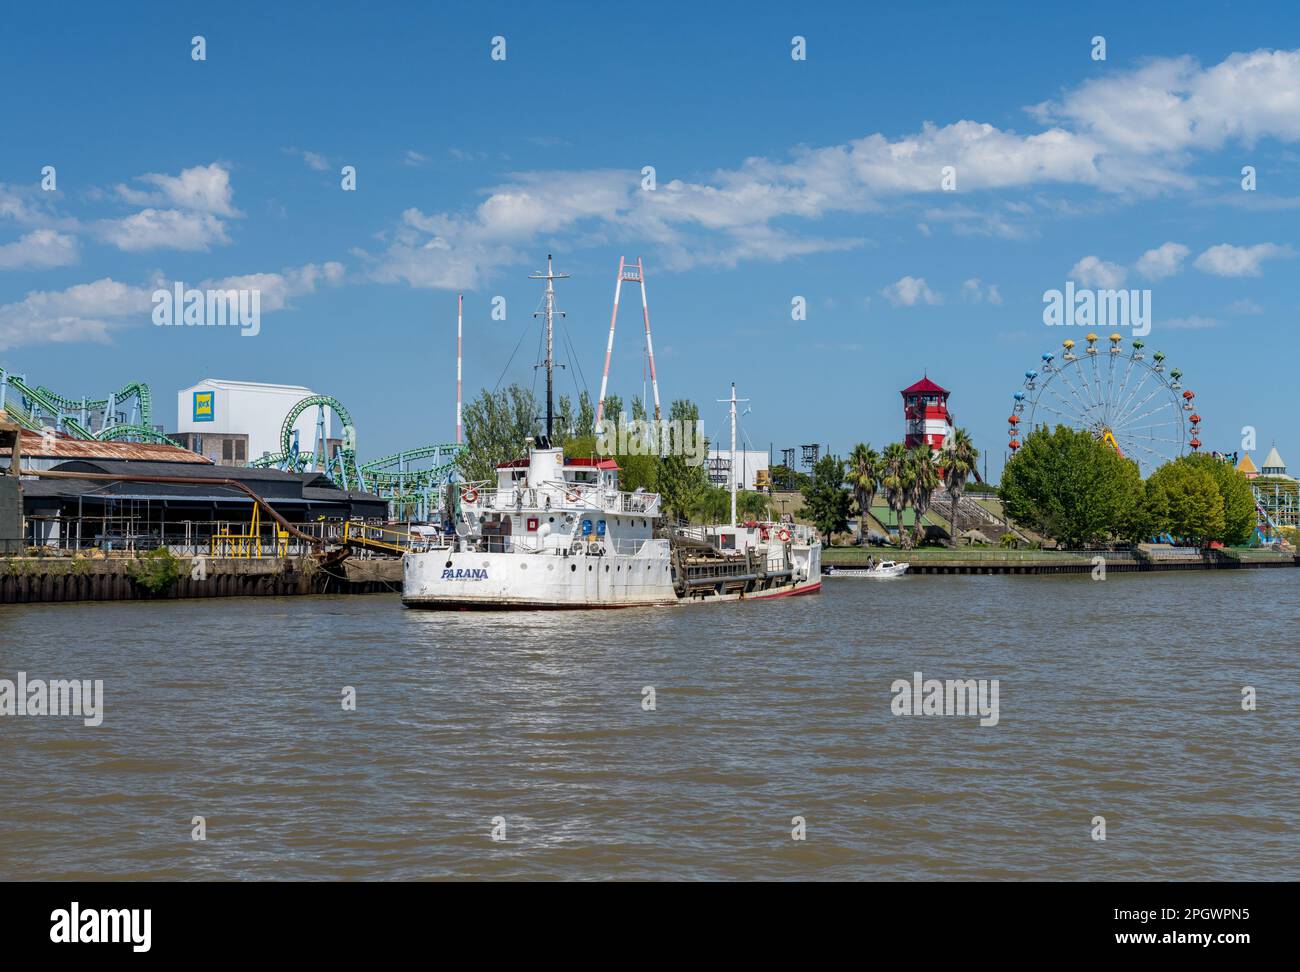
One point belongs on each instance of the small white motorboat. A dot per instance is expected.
(886, 568)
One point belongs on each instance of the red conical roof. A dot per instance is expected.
(924, 385)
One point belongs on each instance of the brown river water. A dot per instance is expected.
(1120, 698)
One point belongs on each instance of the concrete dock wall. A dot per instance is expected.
(30, 580)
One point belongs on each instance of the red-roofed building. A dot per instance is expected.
(925, 412)
(46, 451)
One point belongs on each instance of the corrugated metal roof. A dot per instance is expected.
(62, 447)
(204, 471)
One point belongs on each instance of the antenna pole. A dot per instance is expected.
(460, 307)
(733, 400)
(550, 349)
(550, 276)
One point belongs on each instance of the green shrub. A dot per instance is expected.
(156, 571)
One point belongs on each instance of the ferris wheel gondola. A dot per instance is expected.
(1123, 397)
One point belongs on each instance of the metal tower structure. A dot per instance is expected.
(630, 273)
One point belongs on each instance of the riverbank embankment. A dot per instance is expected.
(984, 560)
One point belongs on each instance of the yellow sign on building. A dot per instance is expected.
(204, 406)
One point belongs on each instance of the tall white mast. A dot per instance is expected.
(550, 276)
(733, 400)
(460, 306)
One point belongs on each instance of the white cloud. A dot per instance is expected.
(1171, 105)
(203, 188)
(909, 291)
(973, 292)
(84, 312)
(91, 311)
(313, 160)
(182, 212)
(1194, 322)
(1094, 272)
(1226, 260)
(1245, 306)
(39, 250)
(1164, 261)
(414, 159)
(277, 288)
(154, 229)
(1132, 132)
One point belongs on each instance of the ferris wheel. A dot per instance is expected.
(1124, 397)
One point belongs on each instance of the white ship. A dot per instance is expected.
(553, 533)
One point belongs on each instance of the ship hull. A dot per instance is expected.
(469, 581)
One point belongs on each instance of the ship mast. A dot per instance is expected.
(733, 400)
(550, 276)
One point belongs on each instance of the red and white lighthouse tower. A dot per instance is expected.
(925, 410)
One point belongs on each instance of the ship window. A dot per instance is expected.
(607, 568)
(589, 567)
(573, 566)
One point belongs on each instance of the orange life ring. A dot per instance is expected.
(470, 495)
(784, 535)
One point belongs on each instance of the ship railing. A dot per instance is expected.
(799, 532)
(554, 495)
(591, 545)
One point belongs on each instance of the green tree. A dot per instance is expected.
(713, 505)
(783, 475)
(1239, 516)
(825, 500)
(864, 481)
(1071, 486)
(1192, 498)
(958, 458)
(681, 483)
(896, 481)
(924, 479)
(751, 505)
(585, 419)
(1149, 516)
(613, 409)
(498, 426)
(581, 447)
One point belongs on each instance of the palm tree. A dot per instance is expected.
(958, 458)
(925, 477)
(896, 481)
(864, 480)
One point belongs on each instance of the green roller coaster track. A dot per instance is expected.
(373, 476)
(61, 410)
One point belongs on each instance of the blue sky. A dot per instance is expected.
(776, 178)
